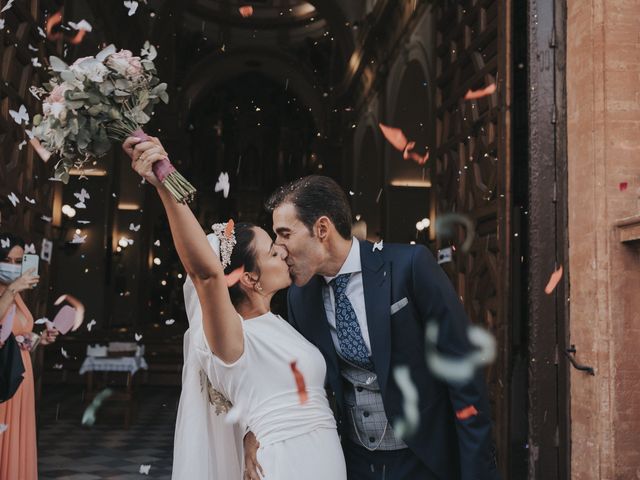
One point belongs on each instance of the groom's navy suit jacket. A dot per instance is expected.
(451, 448)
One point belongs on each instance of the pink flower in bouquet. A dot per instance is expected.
(54, 104)
(125, 64)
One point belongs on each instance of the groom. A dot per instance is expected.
(365, 307)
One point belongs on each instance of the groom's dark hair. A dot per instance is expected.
(315, 196)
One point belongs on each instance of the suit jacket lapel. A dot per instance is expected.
(376, 281)
(317, 327)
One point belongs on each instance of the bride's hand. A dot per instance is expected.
(252, 469)
(143, 155)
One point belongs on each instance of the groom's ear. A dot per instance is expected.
(323, 227)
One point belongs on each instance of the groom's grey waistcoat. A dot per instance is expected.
(367, 422)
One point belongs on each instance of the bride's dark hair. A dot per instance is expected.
(244, 253)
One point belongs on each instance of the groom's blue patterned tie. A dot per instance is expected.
(350, 339)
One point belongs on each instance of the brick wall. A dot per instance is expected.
(603, 88)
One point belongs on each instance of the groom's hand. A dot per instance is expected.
(252, 469)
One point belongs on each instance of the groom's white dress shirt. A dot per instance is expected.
(355, 294)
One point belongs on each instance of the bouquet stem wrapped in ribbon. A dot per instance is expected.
(97, 100)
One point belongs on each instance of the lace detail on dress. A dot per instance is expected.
(216, 398)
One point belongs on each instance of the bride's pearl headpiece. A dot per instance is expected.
(227, 237)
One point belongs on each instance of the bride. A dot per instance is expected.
(255, 369)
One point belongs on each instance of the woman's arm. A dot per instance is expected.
(221, 323)
(26, 281)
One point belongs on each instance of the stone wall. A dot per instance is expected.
(603, 117)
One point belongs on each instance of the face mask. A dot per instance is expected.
(9, 272)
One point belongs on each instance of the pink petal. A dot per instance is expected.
(394, 136)
(553, 281)
(475, 94)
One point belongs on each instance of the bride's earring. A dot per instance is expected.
(258, 287)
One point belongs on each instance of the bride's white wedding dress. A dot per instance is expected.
(296, 440)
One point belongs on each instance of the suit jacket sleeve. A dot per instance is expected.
(436, 300)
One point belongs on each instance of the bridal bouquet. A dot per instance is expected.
(101, 99)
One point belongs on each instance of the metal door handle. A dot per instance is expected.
(576, 365)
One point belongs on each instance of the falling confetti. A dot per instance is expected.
(444, 226)
(157, 243)
(5, 242)
(149, 51)
(623, 186)
(30, 248)
(46, 218)
(409, 424)
(134, 228)
(302, 389)
(144, 469)
(91, 324)
(222, 185)
(20, 116)
(553, 281)
(170, 321)
(459, 369)
(138, 337)
(132, 6)
(82, 195)
(378, 246)
(246, 11)
(89, 415)
(7, 6)
(36, 62)
(3, 427)
(467, 412)
(53, 20)
(475, 94)
(30, 200)
(78, 238)
(81, 25)
(13, 198)
(398, 140)
(64, 352)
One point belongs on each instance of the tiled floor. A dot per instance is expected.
(67, 450)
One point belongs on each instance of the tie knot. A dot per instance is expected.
(339, 283)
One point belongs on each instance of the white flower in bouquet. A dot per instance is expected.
(88, 68)
(101, 99)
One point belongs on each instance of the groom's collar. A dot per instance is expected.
(352, 264)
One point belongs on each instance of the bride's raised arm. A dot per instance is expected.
(221, 323)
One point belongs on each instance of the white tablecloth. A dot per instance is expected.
(123, 364)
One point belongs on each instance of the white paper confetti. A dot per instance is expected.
(3, 427)
(132, 6)
(378, 246)
(138, 337)
(149, 51)
(7, 6)
(1, 23)
(22, 144)
(5, 242)
(89, 415)
(20, 116)
(134, 228)
(35, 61)
(33, 49)
(144, 469)
(82, 195)
(157, 243)
(84, 222)
(78, 238)
(30, 200)
(91, 324)
(406, 426)
(64, 352)
(170, 321)
(41, 321)
(30, 249)
(81, 25)
(13, 198)
(222, 185)
(46, 218)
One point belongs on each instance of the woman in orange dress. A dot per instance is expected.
(18, 451)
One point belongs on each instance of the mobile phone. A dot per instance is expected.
(30, 261)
